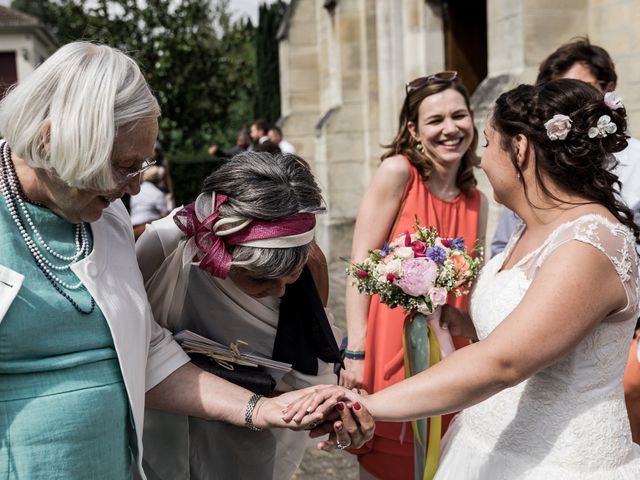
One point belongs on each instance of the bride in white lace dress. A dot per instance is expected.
(554, 313)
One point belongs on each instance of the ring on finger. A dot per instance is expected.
(311, 426)
(342, 446)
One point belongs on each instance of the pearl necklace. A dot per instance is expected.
(12, 191)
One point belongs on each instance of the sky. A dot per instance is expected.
(240, 8)
(247, 8)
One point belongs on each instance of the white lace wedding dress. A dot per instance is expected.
(568, 421)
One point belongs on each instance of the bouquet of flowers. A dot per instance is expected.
(417, 271)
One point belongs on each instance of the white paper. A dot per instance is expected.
(188, 339)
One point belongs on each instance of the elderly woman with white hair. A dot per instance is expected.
(80, 354)
(240, 264)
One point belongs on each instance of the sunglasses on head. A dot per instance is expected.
(447, 76)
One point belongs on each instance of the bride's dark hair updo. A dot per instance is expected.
(577, 164)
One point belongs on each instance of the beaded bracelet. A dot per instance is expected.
(248, 413)
(354, 354)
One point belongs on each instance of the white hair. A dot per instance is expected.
(87, 92)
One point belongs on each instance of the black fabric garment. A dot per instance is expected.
(304, 333)
(251, 378)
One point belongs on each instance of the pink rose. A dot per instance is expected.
(613, 101)
(418, 275)
(419, 248)
(390, 277)
(362, 274)
(438, 296)
(558, 127)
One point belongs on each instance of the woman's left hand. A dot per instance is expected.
(357, 422)
(457, 322)
(354, 428)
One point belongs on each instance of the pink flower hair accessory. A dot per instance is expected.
(203, 247)
(613, 101)
(558, 127)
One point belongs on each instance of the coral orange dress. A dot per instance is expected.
(389, 455)
(632, 389)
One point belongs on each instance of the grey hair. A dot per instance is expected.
(266, 187)
(87, 92)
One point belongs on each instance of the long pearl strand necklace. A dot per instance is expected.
(12, 191)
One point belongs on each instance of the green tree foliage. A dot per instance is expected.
(199, 64)
(267, 98)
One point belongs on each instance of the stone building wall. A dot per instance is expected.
(614, 24)
(363, 52)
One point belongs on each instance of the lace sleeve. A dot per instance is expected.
(613, 239)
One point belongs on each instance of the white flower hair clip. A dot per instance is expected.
(603, 128)
(558, 127)
(613, 101)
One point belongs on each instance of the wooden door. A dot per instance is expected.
(465, 23)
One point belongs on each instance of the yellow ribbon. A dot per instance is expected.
(434, 423)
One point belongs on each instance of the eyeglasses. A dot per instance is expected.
(122, 177)
(446, 76)
(146, 165)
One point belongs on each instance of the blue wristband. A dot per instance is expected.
(354, 354)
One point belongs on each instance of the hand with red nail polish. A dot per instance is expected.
(354, 426)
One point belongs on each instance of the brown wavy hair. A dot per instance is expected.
(578, 164)
(580, 50)
(405, 144)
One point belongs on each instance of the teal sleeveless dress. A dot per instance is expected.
(64, 412)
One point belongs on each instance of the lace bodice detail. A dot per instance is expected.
(572, 413)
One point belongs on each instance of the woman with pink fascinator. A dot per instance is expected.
(240, 264)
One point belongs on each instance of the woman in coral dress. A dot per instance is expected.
(632, 386)
(427, 172)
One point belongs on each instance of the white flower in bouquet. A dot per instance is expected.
(403, 252)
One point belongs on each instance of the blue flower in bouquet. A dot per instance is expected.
(437, 254)
(385, 250)
(457, 243)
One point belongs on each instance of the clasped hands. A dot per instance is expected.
(321, 409)
(335, 410)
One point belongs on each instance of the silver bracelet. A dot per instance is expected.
(248, 413)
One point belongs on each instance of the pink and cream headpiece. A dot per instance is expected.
(208, 234)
